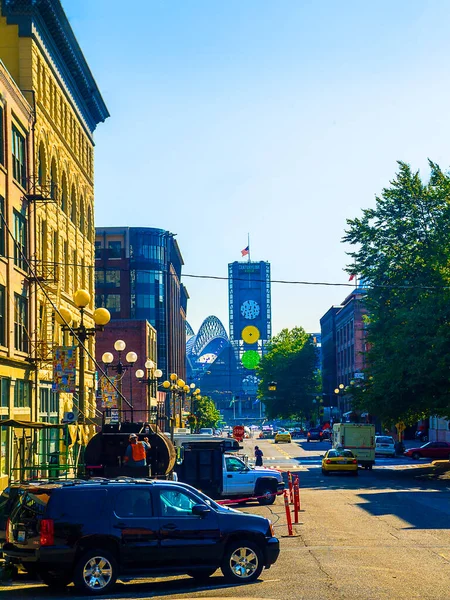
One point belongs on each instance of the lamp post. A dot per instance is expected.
(81, 299)
(151, 381)
(120, 368)
(338, 391)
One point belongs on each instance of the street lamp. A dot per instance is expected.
(120, 368)
(63, 316)
(151, 381)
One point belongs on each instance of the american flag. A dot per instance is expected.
(244, 252)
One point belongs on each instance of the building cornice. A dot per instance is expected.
(46, 22)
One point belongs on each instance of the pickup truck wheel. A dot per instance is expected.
(55, 580)
(242, 562)
(202, 574)
(266, 496)
(95, 572)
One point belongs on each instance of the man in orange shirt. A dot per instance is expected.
(135, 455)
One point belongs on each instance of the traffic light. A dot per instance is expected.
(321, 411)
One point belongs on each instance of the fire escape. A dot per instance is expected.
(45, 274)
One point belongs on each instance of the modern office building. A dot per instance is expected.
(250, 320)
(138, 276)
(46, 181)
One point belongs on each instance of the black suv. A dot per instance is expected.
(93, 532)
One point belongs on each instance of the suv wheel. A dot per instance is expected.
(55, 580)
(266, 496)
(242, 562)
(95, 572)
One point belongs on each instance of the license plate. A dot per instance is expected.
(21, 536)
(341, 462)
(385, 445)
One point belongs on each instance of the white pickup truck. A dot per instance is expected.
(220, 474)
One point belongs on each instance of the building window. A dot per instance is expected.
(20, 323)
(112, 302)
(98, 250)
(18, 157)
(2, 315)
(112, 278)
(2, 226)
(5, 384)
(114, 249)
(3, 447)
(2, 136)
(22, 396)
(99, 278)
(48, 402)
(20, 238)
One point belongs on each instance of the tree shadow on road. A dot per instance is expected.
(423, 510)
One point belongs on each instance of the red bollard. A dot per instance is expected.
(290, 486)
(288, 513)
(296, 499)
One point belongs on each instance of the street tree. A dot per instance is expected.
(290, 362)
(402, 257)
(206, 413)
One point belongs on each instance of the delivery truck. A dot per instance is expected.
(357, 437)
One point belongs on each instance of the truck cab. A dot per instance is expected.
(209, 467)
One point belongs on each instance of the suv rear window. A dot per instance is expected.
(32, 505)
(382, 439)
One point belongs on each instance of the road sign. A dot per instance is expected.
(238, 432)
(400, 426)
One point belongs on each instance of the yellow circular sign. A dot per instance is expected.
(250, 334)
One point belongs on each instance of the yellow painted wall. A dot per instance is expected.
(65, 232)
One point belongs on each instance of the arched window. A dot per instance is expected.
(73, 202)
(82, 214)
(53, 181)
(64, 193)
(90, 231)
(42, 165)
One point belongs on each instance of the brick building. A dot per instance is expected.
(140, 337)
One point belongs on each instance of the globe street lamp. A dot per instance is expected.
(151, 381)
(82, 299)
(120, 368)
(176, 387)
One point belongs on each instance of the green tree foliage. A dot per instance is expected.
(206, 413)
(290, 362)
(403, 255)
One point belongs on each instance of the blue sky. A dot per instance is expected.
(281, 118)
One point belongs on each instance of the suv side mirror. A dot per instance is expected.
(201, 510)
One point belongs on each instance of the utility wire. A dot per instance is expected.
(56, 309)
(365, 286)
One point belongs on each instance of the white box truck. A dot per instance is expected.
(357, 437)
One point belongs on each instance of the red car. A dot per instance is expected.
(430, 450)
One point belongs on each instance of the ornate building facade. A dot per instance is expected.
(53, 165)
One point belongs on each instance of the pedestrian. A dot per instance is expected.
(258, 456)
(135, 454)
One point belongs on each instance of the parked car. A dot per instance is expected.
(384, 444)
(315, 433)
(206, 431)
(339, 460)
(91, 533)
(283, 436)
(430, 450)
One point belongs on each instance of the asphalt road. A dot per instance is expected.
(381, 536)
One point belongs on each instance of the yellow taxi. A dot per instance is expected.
(339, 460)
(283, 436)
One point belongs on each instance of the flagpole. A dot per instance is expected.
(248, 240)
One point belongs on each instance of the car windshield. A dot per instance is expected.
(338, 453)
(384, 439)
